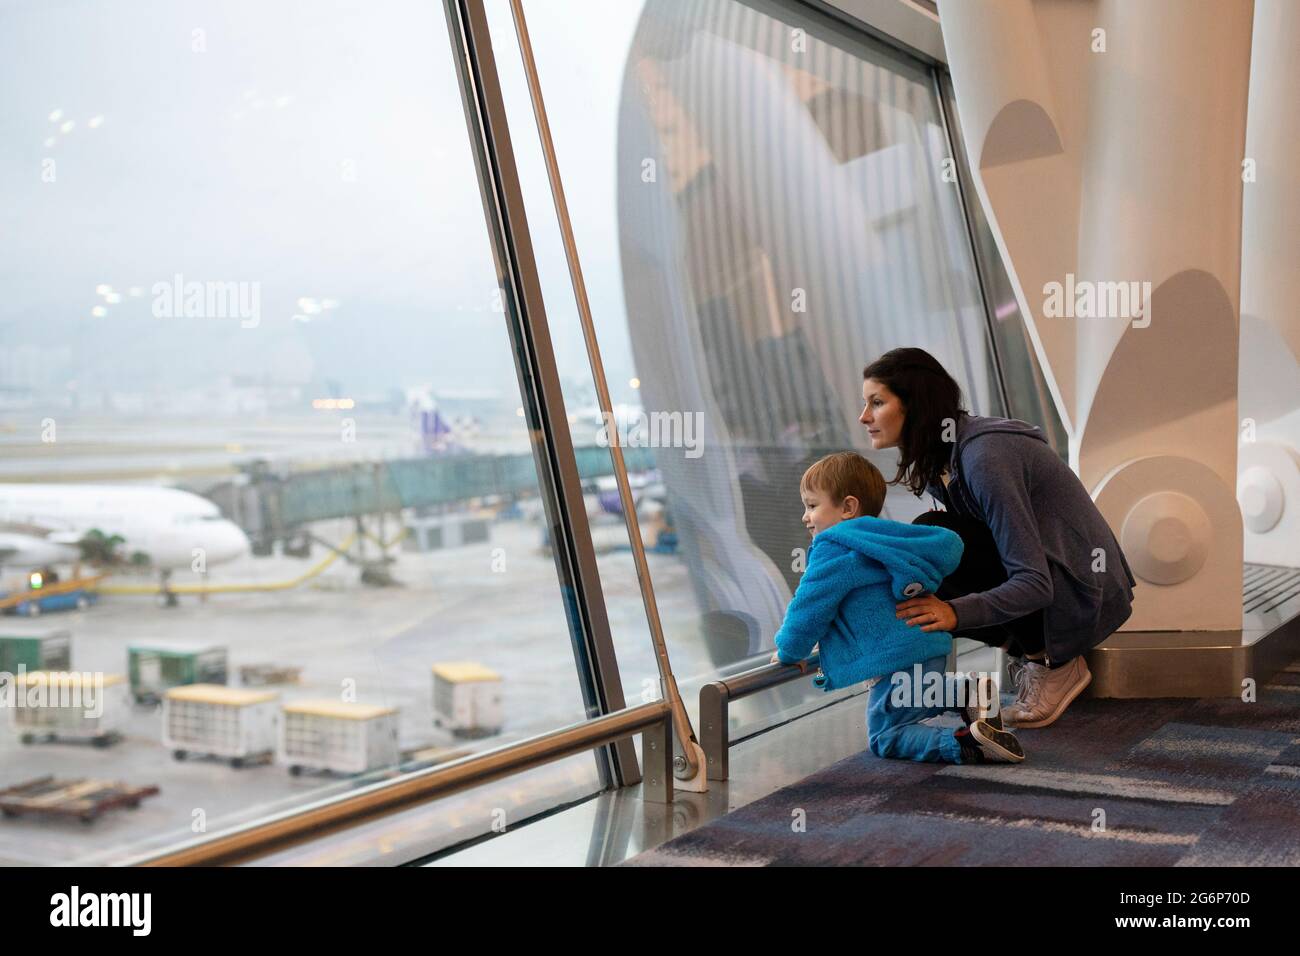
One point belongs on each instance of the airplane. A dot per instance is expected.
(46, 524)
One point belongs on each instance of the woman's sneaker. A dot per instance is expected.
(1045, 692)
(981, 742)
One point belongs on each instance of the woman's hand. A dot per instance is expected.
(928, 612)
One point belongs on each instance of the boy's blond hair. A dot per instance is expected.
(847, 473)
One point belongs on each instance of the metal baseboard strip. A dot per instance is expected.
(1122, 668)
(1276, 651)
(1144, 664)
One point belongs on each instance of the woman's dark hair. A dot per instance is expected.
(932, 404)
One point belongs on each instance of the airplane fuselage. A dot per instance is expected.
(174, 528)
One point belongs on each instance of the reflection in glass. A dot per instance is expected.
(772, 194)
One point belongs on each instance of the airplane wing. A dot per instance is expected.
(22, 547)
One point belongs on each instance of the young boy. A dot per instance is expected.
(859, 567)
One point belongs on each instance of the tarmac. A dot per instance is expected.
(450, 605)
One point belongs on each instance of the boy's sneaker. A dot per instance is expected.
(970, 750)
(981, 689)
(984, 743)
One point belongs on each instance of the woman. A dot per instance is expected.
(1042, 576)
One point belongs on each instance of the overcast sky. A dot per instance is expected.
(316, 148)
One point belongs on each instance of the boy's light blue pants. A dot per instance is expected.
(897, 732)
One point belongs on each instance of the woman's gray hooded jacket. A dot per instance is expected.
(1058, 551)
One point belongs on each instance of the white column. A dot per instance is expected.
(1268, 481)
(1107, 141)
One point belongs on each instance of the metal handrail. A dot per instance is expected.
(716, 697)
(653, 721)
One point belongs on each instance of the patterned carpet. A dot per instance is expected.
(1180, 783)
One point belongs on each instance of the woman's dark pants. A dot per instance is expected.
(981, 570)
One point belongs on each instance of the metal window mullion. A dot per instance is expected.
(539, 380)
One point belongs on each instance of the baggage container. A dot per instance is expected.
(44, 649)
(72, 706)
(231, 722)
(467, 699)
(338, 737)
(157, 667)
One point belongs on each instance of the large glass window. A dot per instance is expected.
(762, 204)
(267, 475)
(256, 367)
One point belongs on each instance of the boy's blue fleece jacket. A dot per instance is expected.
(857, 571)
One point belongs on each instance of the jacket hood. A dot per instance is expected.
(972, 426)
(913, 558)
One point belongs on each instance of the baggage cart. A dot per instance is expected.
(338, 737)
(234, 723)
